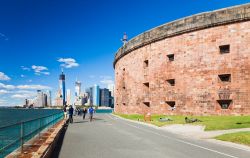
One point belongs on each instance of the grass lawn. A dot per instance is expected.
(210, 122)
(239, 137)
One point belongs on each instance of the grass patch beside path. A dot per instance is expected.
(210, 122)
(239, 137)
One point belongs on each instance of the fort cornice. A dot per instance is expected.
(188, 24)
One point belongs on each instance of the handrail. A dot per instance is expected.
(25, 136)
(17, 123)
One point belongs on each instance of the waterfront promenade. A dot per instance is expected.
(111, 137)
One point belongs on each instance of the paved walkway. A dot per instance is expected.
(197, 131)
(111, 137)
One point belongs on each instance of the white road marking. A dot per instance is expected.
(179, 140)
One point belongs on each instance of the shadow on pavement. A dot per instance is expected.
(80, 121)
(58, 146)
(97, 119)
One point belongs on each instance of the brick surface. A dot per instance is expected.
(195, 69)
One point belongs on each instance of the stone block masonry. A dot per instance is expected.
(199, 65)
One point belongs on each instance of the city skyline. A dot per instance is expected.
(80, 37)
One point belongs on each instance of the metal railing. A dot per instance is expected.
(15, 135)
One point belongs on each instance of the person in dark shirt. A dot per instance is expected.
(71, 111)
(84, 112)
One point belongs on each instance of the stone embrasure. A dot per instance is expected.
(199, 65)
(185, 25)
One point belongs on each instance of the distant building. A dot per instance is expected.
(45, 100)
(111, 88)
(29, 103)
(85, 98)
(104, 97)
(96, 95)
(89, 92)
(26, 103)
(40, 100)
(111, 100)
(78, 96)
(78, 88)
(62, 87)
(60, 99)
(49, 100)
(68, 97)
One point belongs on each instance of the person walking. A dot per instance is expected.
(71, 111)
(84, 112)
(91, 112)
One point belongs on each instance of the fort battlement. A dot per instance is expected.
(197, 65)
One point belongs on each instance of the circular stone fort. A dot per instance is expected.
(198, 65)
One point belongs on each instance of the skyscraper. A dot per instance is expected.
(104, 97)
(40, 99)
(58, 99)
(89, 92)
(96, 95)
(62, 87)
(49, 101)
(78, 96)
(77, 88)
(111, 88)
(68, 97)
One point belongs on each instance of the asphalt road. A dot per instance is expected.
(111, 137)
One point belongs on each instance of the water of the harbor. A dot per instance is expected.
(11, 116)
(10, 127)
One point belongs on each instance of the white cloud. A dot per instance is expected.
(105, 77)
(24, 96)
(34, 87)
(2, 102)
(4, 77)
(4, 37)
(24, 91)
(24, 87)
(4, 86)
(40, 70)
(68, 62)
(21, 94)
(25, 68)
(91, 76)
(106, 80)
(45, 73)
(22, 76)
(2, 91)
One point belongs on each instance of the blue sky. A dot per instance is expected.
(38, 38)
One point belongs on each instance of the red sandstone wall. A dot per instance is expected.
(196, 67)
